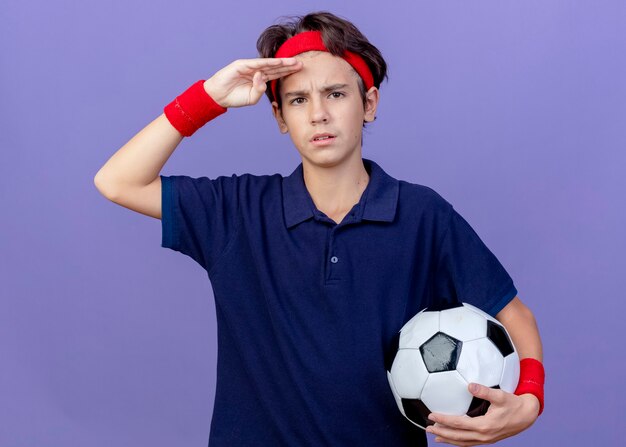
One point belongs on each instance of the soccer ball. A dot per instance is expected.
(437, 353)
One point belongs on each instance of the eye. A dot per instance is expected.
(294, 101)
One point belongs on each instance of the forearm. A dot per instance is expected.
(521, 325)
(139, 161)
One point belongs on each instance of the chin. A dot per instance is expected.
(327, 158)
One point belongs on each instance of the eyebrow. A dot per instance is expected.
(324, 90)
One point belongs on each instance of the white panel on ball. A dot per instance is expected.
(409, 373)
(419, 329)
(463, 324)
(481, 312)
(510, 375)
(481, 362)
(446, 392)
(394, 391)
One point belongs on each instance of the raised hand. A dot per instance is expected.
(243, 82)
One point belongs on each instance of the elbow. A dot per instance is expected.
(102, 185)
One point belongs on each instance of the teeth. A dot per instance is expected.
(322, 138)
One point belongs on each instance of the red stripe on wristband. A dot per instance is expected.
(531, 379)
(192, 109)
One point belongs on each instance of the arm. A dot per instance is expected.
(508, 413)
(131, 176)
(520, 322)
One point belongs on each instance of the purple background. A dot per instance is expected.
(514, 112)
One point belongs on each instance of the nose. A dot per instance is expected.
(318, 111)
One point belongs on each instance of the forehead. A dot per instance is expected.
(319, 68)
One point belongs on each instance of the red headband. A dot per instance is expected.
(312, 41)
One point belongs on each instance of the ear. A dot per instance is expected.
(371, 103)
(282, 125)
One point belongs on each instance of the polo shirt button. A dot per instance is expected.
(334, 259)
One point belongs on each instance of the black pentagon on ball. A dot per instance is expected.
(499, 337)
(391, 351)
(441, 353)
(416, 411)
(478, 406)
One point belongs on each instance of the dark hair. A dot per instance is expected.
(338, 35)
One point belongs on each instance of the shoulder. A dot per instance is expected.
(259, 179)
(423, 198)
(225, 179)
(226, 190)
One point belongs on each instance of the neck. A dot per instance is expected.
(338, 188)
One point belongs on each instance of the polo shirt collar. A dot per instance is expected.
(378, 201)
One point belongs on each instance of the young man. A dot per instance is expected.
(314, 273)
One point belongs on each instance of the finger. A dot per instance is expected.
(458, 422)
(274, 73)
(271, 77)
(454, 436)
(258, 81)
(260, 76)
(296, 65)
(495, 396)
(268, 62)
(282, 71)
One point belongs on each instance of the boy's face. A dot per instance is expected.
(307, 109)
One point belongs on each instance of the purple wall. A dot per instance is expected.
(514, 112)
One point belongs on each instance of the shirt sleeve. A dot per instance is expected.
(199, 216)
(467, 271)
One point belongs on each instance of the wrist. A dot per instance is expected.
(210, 90)
(192, 109)
(531, 380)
(532, 403)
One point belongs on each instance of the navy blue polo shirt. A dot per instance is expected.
(306, 307)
